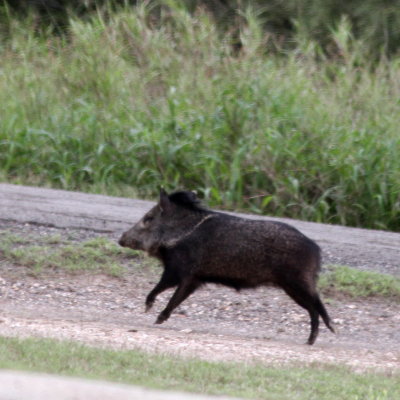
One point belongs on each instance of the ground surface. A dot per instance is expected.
(27, 386)
(215, 323)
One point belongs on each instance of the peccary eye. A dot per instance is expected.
(148, 219)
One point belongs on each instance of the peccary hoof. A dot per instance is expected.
(148, 306)
(161, 318)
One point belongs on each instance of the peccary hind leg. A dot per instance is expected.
(309, 300)
(183, 291)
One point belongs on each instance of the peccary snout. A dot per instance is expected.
(122, 241)
(198, 246)
(127, 240)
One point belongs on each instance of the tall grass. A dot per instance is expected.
(129, 103)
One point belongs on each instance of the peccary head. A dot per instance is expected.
(168, 221)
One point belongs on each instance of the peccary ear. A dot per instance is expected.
(165, 203)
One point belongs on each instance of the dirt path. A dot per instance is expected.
(216, 323)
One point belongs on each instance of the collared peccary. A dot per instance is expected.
(197, 246)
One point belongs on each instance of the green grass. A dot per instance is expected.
(41, 254)
(126, 105)
(53, 253)
(167, 372)
(355, 283)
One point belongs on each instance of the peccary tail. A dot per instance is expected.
(324, 314)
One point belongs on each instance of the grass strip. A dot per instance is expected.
(357, 283)
(167, 372)
(41, 254)
(53, 253)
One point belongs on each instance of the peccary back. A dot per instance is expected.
(198, 246)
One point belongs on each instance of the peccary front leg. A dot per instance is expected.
(168, 280)
(183, 291)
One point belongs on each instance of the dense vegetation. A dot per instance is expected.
(126, 102)
(376, 22)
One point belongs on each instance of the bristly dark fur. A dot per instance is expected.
(187, 200)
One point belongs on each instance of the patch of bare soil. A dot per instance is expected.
(215, 323)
